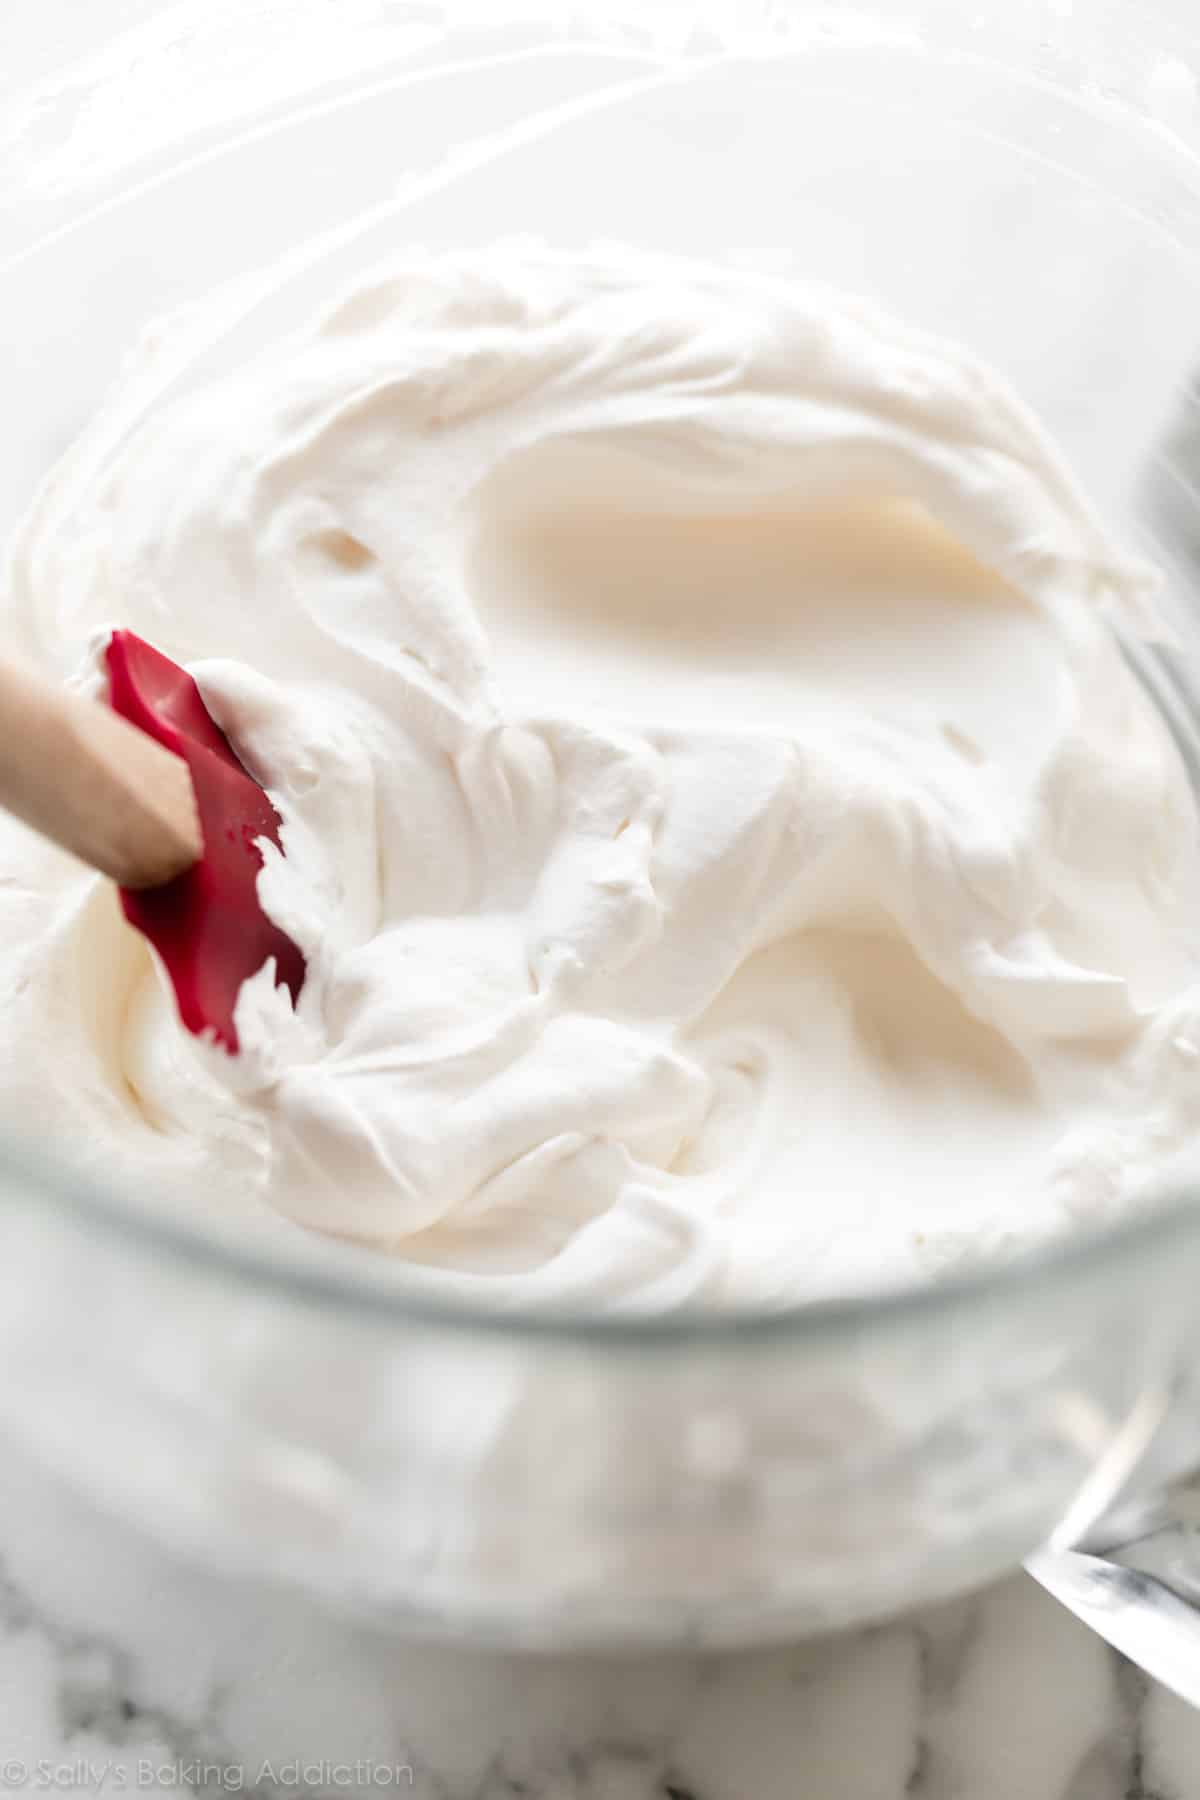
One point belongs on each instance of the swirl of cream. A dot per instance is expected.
(605, 1007)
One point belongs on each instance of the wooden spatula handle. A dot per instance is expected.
(93, 783)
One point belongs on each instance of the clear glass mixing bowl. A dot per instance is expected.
(1023, 176)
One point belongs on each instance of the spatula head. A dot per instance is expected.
(207, 924)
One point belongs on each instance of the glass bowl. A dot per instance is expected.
(1023, 177)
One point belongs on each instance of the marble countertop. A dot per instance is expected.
(123, 1671)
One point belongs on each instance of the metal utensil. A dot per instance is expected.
(1135, 1579)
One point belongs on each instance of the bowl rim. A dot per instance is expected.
(359, 1282)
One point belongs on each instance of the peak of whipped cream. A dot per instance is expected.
(733, 860)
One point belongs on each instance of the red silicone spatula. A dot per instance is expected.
(206, 924)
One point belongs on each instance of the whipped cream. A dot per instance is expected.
(733, 860)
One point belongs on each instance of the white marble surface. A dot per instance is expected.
(123, 1671)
